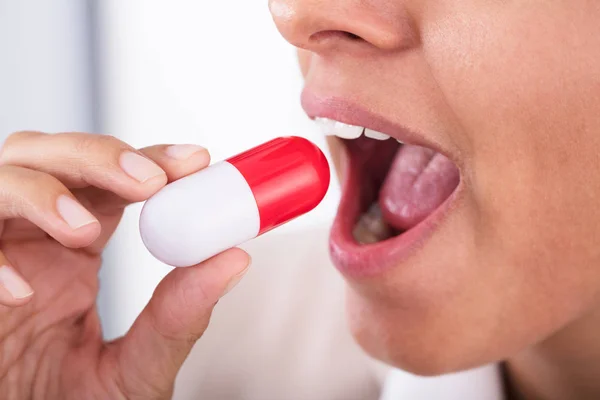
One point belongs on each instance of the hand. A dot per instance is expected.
(61, 199)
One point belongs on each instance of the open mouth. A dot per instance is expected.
(393, 195)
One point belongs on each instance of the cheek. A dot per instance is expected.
(524, 81)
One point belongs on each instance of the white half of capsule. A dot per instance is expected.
(199, 216)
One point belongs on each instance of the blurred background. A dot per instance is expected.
(150, 72)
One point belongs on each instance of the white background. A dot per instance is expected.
(46, 76)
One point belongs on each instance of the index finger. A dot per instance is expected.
(178, 161)
(80, 160)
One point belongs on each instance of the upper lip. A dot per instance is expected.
(343, 110)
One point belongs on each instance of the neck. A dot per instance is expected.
(566, 366)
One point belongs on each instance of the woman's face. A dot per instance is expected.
(509, 91)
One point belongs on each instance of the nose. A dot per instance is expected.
(326, 25)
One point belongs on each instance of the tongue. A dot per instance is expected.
(417, 183)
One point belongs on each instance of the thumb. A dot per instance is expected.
(151, 354)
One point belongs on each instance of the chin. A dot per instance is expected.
(411, 341)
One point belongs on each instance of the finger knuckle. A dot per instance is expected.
(91, 143)
(172, 318)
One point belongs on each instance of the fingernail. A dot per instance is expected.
(183, 151)
(13, 283)
(74, 213)
(235, 280)
(139, 167)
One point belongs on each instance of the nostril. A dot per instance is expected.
(352, 36)
(332, 35)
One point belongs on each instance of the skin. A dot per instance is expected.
(51, 344)
(510, 91)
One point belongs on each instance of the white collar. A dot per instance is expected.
(482, 383)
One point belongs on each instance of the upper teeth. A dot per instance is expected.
(370, 133)
(330, 127)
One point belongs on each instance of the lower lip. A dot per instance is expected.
(360, 261)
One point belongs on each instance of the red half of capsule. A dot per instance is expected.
(289, 176)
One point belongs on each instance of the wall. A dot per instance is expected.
(45, 75)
